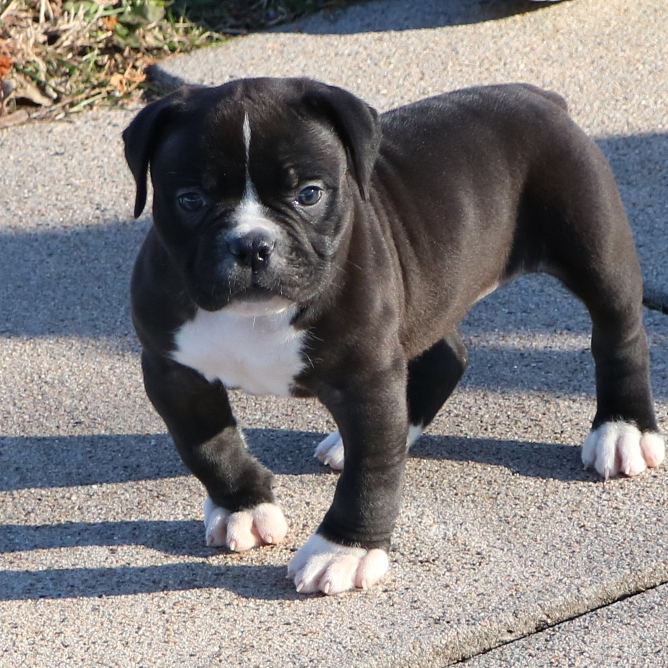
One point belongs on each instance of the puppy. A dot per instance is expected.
(303, 245)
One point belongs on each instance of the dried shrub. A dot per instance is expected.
(59, 57)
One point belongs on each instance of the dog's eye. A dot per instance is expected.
(191, 201)
(309, 196)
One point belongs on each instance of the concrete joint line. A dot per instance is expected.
(540, 627)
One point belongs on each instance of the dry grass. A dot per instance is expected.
(59, 57)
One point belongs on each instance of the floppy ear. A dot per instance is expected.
(355, 122)
(141, 138)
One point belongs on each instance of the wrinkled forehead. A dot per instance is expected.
(261, 132)
(267, 136)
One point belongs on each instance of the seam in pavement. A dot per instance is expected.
(544, 626)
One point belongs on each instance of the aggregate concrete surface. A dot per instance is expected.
(621, 634)
(502, 535)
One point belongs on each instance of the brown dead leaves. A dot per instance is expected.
(61, 56)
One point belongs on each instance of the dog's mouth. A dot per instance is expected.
(254, 300)
(256, 306)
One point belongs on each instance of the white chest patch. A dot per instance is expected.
(260, 354)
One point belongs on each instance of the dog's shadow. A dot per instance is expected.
(91, 460)
(525, 458)
(252, 581)
(291, 453)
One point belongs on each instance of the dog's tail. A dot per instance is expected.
(550, 95)
(655, 299)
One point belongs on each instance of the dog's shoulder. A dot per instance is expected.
(159, 301)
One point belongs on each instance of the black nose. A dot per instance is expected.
(252, 250)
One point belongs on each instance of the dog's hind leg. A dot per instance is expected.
(590, 248)
(432, 376)
(624, 437)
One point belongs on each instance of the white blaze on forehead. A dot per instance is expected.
(250, 214)
(249, 191)
(247, 137)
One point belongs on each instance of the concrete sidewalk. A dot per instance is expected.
(503, 542)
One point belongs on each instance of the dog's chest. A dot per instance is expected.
(261, 355)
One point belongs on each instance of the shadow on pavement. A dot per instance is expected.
(638, 159)
(97, 459)
(69, 283)
(73, 461)
(248, 581)
(183, 538)
(550, 461)
(77, 461)
(387, 16)
(169, 537)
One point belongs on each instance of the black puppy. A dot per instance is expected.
(303, 245)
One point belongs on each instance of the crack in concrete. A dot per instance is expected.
(541, 627)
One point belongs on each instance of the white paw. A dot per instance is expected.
(619, 447)
(246, 529)
(321, 565)
(414, 432)
(330, 450)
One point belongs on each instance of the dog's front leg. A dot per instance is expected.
(240, 511)
(350, 547)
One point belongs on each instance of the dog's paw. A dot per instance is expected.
(243, 530)
(330, 450)
(619, 447)
(321, 565)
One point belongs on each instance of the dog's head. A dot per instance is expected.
(253, 185)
